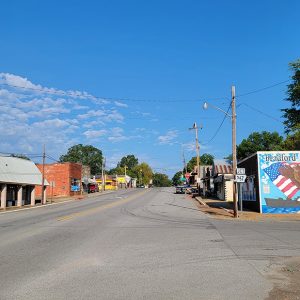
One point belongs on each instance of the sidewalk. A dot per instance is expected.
(224, 210)
(58, 200)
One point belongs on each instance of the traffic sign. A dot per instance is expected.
(240, 178)
(187, 175)
(240, 171)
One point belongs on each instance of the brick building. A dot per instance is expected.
(64, 179)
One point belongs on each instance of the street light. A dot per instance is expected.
(234, 161)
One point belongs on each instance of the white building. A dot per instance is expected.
(18, 180)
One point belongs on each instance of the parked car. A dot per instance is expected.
(93, 188)
(181, 189)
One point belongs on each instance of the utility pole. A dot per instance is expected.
(234, 161)
(125, 167)
(43, 176)
(195, 127)
(103, 173)
(184, 162)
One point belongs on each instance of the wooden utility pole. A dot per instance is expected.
(195, 127)
(43, 175)
(125, 167)
(103, 174)
(234, 160)
(184, 162)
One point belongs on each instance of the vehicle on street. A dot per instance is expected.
(93, 188)
(181, 189)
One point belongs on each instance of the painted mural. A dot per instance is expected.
(279, 181)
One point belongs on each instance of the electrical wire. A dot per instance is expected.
(218, 129)
(262, 89)
(87, 96)
(261, 112)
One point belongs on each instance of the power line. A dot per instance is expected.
(219, 128)
(87, 96)
(83, 96)
(263, 89)
(261, 112)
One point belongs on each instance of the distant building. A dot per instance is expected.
(205, 171)
(110, 182)
(64, 179)
(223, 179)
(19, 180)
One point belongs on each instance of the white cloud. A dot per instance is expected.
(120, 104)
(92, 114)
(91, 134)
(117, 135)
(103, 116)
(168, 138)
(19, 82)
(33, 115)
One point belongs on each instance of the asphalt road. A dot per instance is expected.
(138, 244)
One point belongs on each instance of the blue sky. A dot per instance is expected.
(132, 76)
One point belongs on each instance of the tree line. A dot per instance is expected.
(129, 165)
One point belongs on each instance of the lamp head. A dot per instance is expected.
(205, 105)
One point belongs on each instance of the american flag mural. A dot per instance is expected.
(284, 184)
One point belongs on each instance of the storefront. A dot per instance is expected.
(64, 179)
(19, 179)
(273, 182)
(223, 180)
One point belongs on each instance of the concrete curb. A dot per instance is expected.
(199, 199)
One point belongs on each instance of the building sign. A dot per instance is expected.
(75, 188)
(279, 181)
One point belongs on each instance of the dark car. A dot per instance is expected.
(181, 189)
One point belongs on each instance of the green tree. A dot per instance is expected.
(116, 171)
(191, 164)
(86, 155)
(130, 161)
(292, 114)
(20, 156)
(206, 159)
(144, 173)
(176, 178)
(292, 141)
(259, 141)
(160, 179)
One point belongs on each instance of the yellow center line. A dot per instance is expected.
(100, 208)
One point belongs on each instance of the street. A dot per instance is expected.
(138, 244)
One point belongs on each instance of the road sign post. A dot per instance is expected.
(240, 171)
(240, 178)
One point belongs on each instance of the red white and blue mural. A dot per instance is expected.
(279, 181)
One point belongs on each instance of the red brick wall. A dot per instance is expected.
(61, 174)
